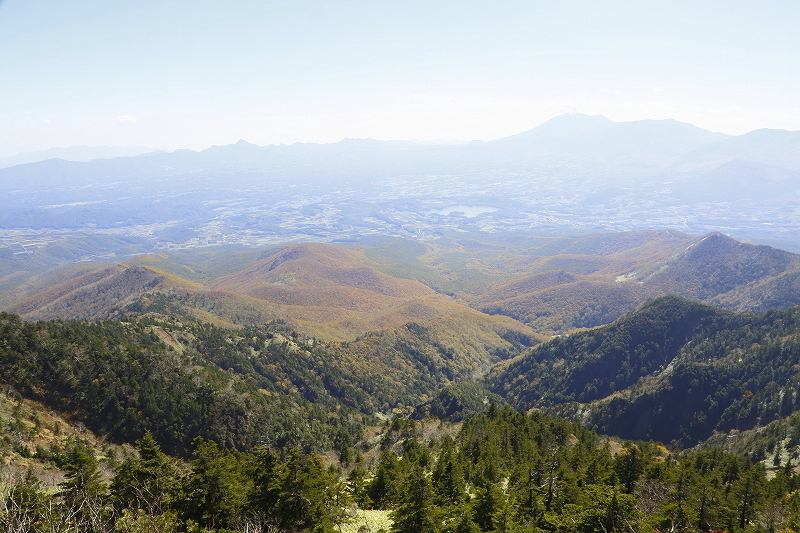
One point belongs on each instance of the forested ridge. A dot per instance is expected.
(674, 371)
(122, 379)
(591, 365)
(179, 378)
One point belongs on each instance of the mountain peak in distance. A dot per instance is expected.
(243, 143)
(568, 125)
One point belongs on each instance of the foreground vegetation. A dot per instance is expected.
(503, 471)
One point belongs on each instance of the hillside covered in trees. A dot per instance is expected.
(502, 471)
(180, 378)
(674, 371)
(261, 428)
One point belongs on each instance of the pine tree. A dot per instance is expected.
(345, 453)
(356, 481)
(526, 493)
(83, 493)
(448, 479)
(466, 524)
(307, 496)
(384, 489)
(268, 471)
(147, 482)
(488, 504)
(629, 466)
(749, 495)
(219, 487)
(416, 513)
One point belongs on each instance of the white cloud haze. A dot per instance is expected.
(126, 119)
(206, 72)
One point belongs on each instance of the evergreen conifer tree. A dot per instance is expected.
(83, 493)
(219, 487)
(416, 513)
(384, 489)
(305, 501)
(147, 482)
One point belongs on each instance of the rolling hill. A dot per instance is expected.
(571, 290)
(552, 284)
(404, 340)
(716, 265)
(313, 275)
(326, 278)
(89, 295)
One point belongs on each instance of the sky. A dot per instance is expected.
(171, 74)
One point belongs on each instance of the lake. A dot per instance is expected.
(469, 211)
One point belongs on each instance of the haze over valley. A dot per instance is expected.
(574, 174)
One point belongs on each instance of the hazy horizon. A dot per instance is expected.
(81, 149)
(174, 74)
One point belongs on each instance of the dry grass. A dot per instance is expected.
(368, 521)
(30, 425)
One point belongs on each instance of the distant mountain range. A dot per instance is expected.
(572, 174)
(74, 153)
(574, 140)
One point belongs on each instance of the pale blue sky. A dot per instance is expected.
(178, 73)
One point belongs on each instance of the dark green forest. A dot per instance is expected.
(503, 471)
(674, 371)
(238, 388)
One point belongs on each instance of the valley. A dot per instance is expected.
(403, 319)
(477, 383)
(370, 334)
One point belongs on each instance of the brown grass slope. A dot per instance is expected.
(94, 294)
(633, 267)
(324, 291)
(331, 293)
(553, 284)
(320, 275)
(586, 284)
